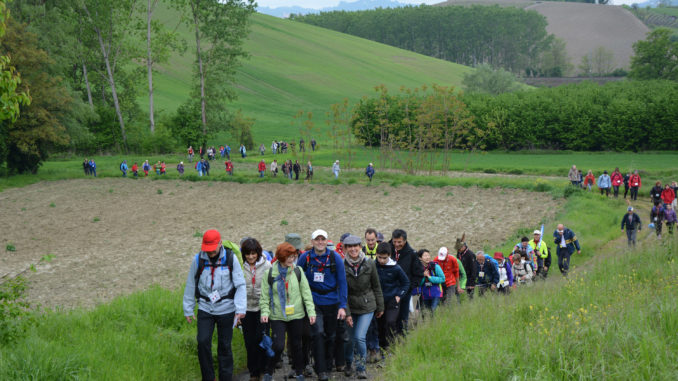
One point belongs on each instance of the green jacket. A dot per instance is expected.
(298, 294)
(364, 290)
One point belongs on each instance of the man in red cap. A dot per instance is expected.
(216, 281)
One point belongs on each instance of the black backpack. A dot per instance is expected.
(227, 261)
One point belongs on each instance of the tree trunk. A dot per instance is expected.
(114, 92)
(89, 90)
(149, 63)
(202, 73)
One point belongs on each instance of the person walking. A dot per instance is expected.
(635, 183)
(589, 180)
(468, 261)
(573, 175)
(262, 149)
(296, 168)
(93, 167)
(135, 169)
(656, 193)
(285, 300)
(274, 168)
(216, 282)
(309, 171)
(262, 167)
(85, 166)
(190, 154)
(668, 195)
(407, 259)
(365, 300)
(302, 145)
(541, 252)
(313, 144)
(274, 147)
(326, 276)
(229, 167)
(631, 221)
(431, 285)
(394, 285)
(198, 167)
(627, 177)
(336, 169)
(206, 167)
(255, 269)
(605, 183)
(670, 218)
(453, 274)
(180, 168)
(488, 273)
(657, 214)
(505, 273)
(617, 180)
(369, 171)
(163, 168)
(566, 242)
(123, 168)
(243, 151)
(522, 270)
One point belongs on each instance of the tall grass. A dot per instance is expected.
(617, 320)
(143, 336)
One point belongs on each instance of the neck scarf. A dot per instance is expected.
(281, 279)
(355, 264)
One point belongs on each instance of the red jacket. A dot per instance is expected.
(634, 181)
(668, 195)
(262, 166)
(135, 168)
(229, 166)
(617, 179)
(590, 179)
(450, 268)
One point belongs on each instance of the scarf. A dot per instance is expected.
(282, 275)
(355, 264)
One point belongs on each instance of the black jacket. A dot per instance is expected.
(468, 260)
(656, 193)
(635, 222)
(408, 261)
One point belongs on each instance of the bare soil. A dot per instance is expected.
(110, 237)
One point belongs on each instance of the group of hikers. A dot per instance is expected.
(340, 307)
(663, 198)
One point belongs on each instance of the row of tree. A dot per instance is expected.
(628, 115)
(506, 37)
(86, 62)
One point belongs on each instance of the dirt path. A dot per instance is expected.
(110, 237)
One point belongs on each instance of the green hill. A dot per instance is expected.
(295, 66)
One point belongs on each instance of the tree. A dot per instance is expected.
(10, 99)
(656, 57)
(39, 128)
(554, 61)
(487, 80)
(220, 29)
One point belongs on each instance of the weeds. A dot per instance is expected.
(52, 205)
(159, 191)
(96, 219)
(47, 258)
(10, 247)
(284, 223)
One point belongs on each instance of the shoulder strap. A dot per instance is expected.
(297, 272)
(270, 277)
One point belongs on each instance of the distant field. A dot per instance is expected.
(294, 66)
(584, 27)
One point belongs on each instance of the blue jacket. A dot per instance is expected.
(604, 181)
(369, 171)
(333, 288)
(491, 272)
(432, 286)
(570, 240)
(394, 281)
(198, 166)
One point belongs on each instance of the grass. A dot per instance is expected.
(616, 320)
(294, 66)
(652, 165)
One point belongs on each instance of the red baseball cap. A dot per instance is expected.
(498, 256)
(210, 240)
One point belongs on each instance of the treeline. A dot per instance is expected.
(506, 37)
(621, 116)
(85, 63)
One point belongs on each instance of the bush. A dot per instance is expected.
(13, 310)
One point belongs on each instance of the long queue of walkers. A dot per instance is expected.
(339, 307)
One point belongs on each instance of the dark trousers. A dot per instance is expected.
(616, 191)
(224, 323)
(296, 175)
(606, 190)
(387, 323)
(634, 193)
(324, 331)
(253, 331)
(404, 314)
(626, 190)
(306, 343)
(294, 329)
(340, 341)
(563, 260)
(448, 292)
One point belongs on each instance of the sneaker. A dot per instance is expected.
(267, 377)
(362, 375)
(348, 370)
(308, 371)
(292, 374)
(323, 376)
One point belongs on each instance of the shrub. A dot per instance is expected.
(13, 310)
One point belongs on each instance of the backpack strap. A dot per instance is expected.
(227, 261)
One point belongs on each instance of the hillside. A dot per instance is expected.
(584, 27)
(296, 66)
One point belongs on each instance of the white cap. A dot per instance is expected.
(318, 232)
(537, 232)
(442, 253)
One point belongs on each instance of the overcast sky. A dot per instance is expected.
(318, 4)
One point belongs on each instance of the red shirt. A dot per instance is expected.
(668, 195)
(634, 181)
(450, 268)
(617, 179)
(135, 168)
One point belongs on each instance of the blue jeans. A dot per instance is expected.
(336, 174)
(356, 337)
(432, 304)
(261, 173)
(373, 335)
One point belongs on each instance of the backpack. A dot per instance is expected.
(121, 166)
(333, 270)
(227, 261)
(297, 272)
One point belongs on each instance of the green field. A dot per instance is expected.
(295, 67)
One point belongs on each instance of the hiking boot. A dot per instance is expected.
(362, 375)
(348, 370)
(323, 376)
(308, 371)
(292, 374)
(374, 356)
(267, 377)
(339, 368)
(300, 377)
